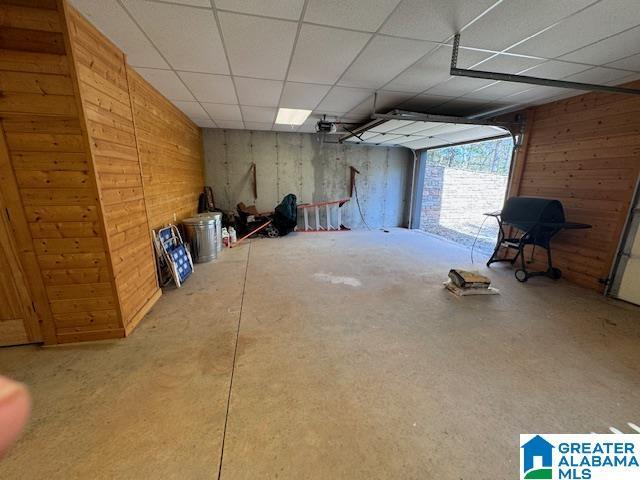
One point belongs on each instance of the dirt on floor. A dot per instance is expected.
(331, 355)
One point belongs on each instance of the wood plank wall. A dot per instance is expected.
(104, 87)
(56, 212)
(585, 151)
(170, 148)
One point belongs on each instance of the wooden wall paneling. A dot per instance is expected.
(585, 151)
(106, 104)
(94, 303)
(170, 149)
(59, 230)
(126, 179)
(24, 273)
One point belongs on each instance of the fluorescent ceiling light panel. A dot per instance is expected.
(292, 116)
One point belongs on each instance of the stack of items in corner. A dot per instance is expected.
(463, 282)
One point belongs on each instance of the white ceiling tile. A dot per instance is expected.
(433, 69)
(187, 37)
(504, 64)
(629, 63)
(309, 126)
(497, 90)
(343, 99)
(230, 124)
(258, 114)
(598, 75)
(167, 83)
(223, 112)
(612, 48)
(210, 88)
(538, 94)
(204, 122)
(290, 9)
(507, 64)
(384, 102)
(355, 14)
(109, 17)
(191, 109)
(554, 70)
(285, 128)
(323, 53)
(303, 95)
(458, 86)
(595, 23)
(390, 100)
(433, 20)
(258, 125)
(630, 77)
(382, 60)
(424, 103)
(261, 93)
(512, 21)
(258, 47)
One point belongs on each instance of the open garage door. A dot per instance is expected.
(420, 131)
(452, 185)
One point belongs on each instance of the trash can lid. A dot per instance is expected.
(217, 215)
(201, 220)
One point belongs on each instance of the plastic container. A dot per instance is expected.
(233, 238)
(200, 234)
(225, 237)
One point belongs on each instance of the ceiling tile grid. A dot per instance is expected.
(232, 63)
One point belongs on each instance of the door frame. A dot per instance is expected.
(630, 230)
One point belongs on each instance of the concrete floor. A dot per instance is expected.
(352, 362)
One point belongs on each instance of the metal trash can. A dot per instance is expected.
(201, 234)
(218, 218)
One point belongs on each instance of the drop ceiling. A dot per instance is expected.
(232, 63)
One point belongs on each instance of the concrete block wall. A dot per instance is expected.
(315, 172)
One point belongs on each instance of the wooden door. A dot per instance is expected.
(18, 321)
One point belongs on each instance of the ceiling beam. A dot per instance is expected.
(546, 82)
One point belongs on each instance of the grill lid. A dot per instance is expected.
(532, 210)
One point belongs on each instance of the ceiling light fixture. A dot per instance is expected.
(292, 116)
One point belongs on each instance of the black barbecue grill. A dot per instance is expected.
(537, 221)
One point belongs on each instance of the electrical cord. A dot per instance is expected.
(476, 239)
(355, 189)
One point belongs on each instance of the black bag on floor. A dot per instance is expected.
(285, 216)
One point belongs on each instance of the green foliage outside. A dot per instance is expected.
(491, 156)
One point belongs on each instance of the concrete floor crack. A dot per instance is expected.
(233, 367)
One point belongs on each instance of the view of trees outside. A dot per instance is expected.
(461, 184)
(492, 156)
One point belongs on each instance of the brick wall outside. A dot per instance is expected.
(453, 203)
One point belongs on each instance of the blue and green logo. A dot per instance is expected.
(537, 462)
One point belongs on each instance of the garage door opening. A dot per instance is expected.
(461, 183)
